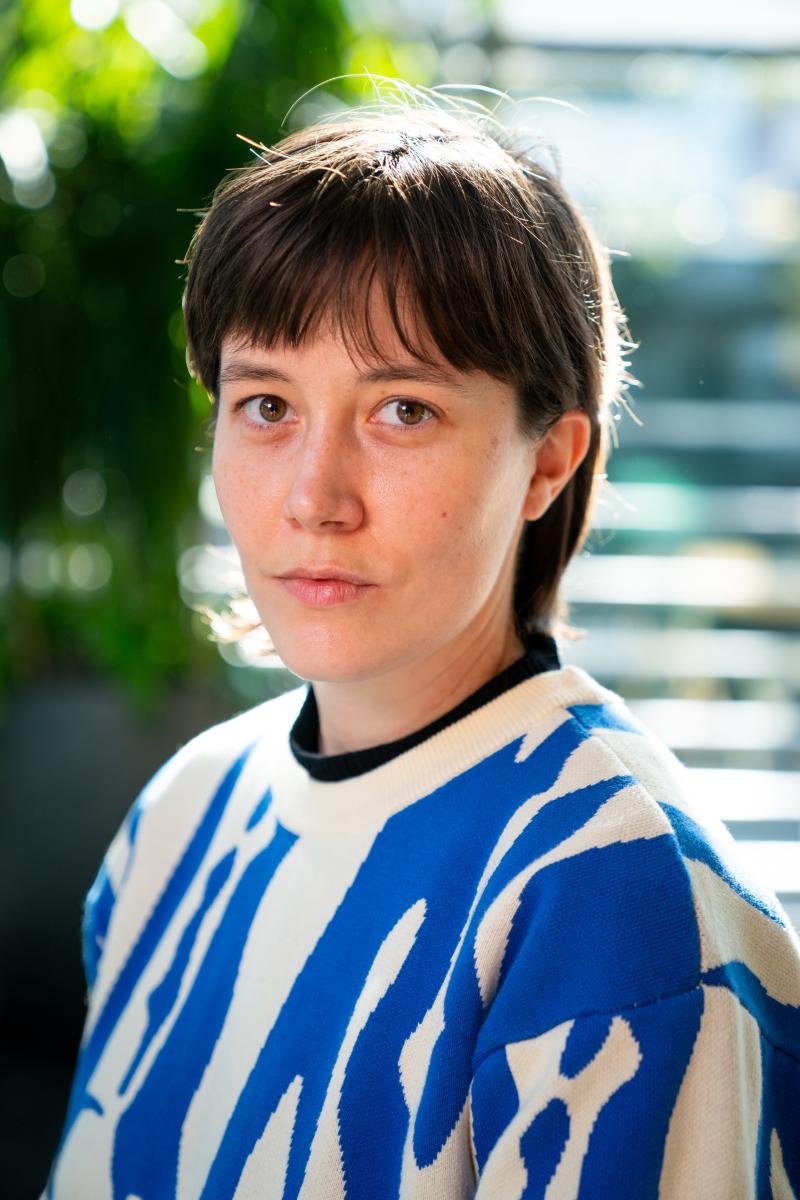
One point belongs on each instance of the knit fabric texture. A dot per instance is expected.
(519, 958)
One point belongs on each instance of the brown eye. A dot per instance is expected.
(410, 408)
(267, 406)
(404, 406)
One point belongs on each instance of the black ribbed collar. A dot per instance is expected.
(540, 654)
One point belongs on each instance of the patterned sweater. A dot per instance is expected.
(509, 956)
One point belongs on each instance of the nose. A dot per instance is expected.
(324, 490)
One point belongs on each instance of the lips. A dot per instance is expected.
(323, 593)
(325, 573)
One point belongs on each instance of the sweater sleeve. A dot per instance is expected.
(99, 903)
(101, 899)
(680, 1099)
(202, 772)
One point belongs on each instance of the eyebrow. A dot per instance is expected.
(238, 369)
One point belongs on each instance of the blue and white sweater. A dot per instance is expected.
(508, 957)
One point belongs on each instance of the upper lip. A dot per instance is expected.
(328, 572)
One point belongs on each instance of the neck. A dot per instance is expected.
(358, 714)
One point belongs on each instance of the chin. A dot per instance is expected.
(324, 656)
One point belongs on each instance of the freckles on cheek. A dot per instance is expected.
(235, 494)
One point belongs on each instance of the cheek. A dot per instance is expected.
(470, 523)
(237, 487)
(445, 522)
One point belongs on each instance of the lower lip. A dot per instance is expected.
(323, 593)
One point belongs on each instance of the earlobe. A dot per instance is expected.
(558, 456)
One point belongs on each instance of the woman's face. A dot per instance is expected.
(416, 480)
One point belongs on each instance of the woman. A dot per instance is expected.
(443, 922)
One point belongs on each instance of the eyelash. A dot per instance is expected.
(240, 405)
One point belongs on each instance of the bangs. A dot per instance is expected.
(314, 262)
(330, 290)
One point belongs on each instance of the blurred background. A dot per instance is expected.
(678, 129)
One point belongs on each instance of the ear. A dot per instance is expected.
(557, 457)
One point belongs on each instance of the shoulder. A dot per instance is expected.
(611, 739)
(630, 889)
(176, 818)
(189, 794)
(663, 784)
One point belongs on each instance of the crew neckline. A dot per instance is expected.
(360, 805)
(540, 654)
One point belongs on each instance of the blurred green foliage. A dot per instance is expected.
(91, 337)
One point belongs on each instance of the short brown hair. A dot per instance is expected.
(470, 237)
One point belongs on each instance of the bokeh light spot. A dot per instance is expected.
(208, 503)
(93, 14)
(67, 146)
(84, 492)
(166, 38)
(24, 275)
(22, 147)
(36, 193)
(89, 567)
(37, 567)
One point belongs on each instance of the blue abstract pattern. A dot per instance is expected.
(535, 979)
